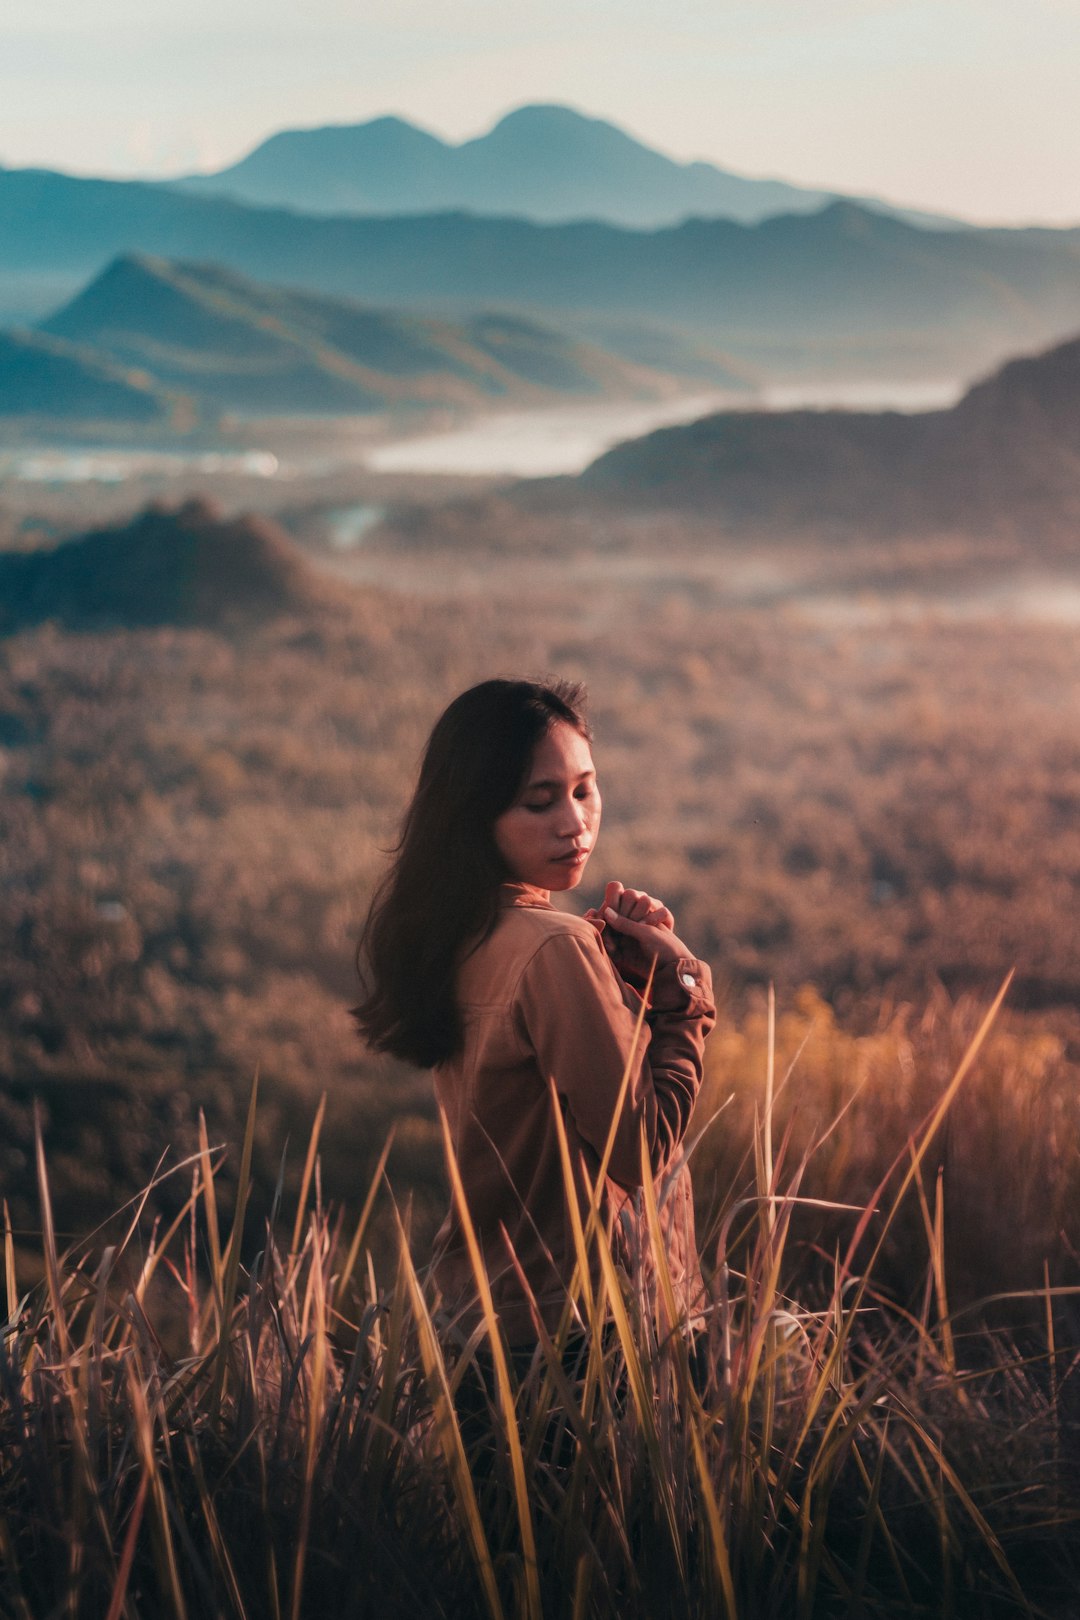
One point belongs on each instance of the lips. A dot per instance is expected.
(576, 857)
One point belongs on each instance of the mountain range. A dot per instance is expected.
(1008, 453)
(230, 343)
(544, 163)
(844, 289)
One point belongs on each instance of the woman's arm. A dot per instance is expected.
(580, 1019)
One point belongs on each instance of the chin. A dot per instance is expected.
(564, 877)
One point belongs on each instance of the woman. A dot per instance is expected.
(470, 970)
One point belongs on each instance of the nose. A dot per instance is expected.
(574, 819)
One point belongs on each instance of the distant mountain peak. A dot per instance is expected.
(545, 115)
(544, 161)
(387, 126)
(563, 134)
(548, 111)
(387, 123)
(128, 265)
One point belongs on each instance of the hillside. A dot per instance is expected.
(241, 345)
(545, 163)
(47, 376)
(184, 567)
(1009, 451)
(191, 825)
(841, 290)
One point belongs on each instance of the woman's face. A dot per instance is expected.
(548, 833)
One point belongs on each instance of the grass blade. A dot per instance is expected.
(449, 1432)
(502, 1379)
(227, 1285)
(309, 1165)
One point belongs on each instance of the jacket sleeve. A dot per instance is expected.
(579, 1017)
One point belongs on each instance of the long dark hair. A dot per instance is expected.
(442, 888)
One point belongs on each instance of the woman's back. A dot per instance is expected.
(546, 1015)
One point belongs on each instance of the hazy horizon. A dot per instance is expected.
(939, 104)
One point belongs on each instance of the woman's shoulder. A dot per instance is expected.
(528, 911)
(525, 940)
(533, 926)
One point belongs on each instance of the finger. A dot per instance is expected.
(627, 925)
(644, 907)
(639, 906)
(630, 900)
(661, 918)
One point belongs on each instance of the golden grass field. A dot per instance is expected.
(192, 1430)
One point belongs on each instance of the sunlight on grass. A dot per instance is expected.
(188, 1432)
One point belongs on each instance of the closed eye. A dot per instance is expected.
(584, 790)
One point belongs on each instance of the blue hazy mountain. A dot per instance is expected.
(47, 376)
(545, 163)
(236, 344)
(842, 288)
(1007, 454)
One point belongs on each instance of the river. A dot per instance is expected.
(535, 443)
(566, 438)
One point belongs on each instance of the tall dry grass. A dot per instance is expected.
(846, 1101)
(188, 1431)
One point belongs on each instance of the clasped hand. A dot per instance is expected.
(638, 931)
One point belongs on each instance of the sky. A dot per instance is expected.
(965, 106)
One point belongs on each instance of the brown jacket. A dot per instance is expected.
(542, 1001)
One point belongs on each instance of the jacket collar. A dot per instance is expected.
(524, 894)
